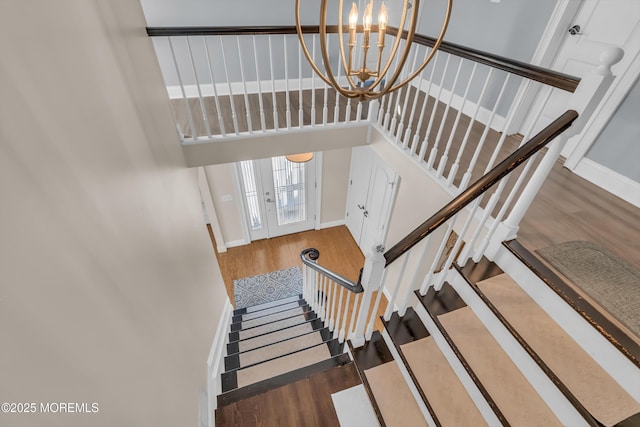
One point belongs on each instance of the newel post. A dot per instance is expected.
(371, 282)
(585, 100)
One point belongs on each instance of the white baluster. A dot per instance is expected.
(263, 124)
(402, 307)
(425, 142)
(286, 82)
(300, 99)
(376, 306)
(273, 87)
(345, 318)
(339, 320)
(408, 130)
(332, 305)
(205, 115)
(406, 97)
(336, 109)
(467, 175)
(396, 289)
(416, 137)
(434, 150)
(445, 155)
(194, 134)
(244, 87)
(465, 139)
(213, 83)
(313, 83)
(325, 108)
(231, 100)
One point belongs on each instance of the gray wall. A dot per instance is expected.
(618, 146)
(495, 27)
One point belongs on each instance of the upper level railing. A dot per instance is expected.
(453, 121)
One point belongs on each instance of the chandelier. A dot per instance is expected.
(367, 83)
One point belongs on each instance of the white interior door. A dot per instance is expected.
(279, 196)
(603, 24)
(361, 165)
(371, 194)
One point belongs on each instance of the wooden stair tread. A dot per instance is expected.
(272, 310)
(511, 391)
(279, 335)
(393, 397)
(262, 371)
(246, 324)
(441, 386)
(273, 326)
(589, 383)
(280, 348)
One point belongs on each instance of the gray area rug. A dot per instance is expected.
(268, 287)
(608, 279)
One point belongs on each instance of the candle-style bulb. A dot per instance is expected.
(383, 17)
(367, 19)
(353, 17)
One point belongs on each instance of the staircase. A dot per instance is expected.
(273, 340)
(478, 351)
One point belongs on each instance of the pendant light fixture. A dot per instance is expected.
(365, 83)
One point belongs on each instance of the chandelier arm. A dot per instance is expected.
(433, 51)
(405, 53)
(347, 70)
(325, 55)
(394, 50)
(306, 50)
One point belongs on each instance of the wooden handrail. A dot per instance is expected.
(540, 74)
(479, 187)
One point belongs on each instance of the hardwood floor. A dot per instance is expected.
(569, 207)
(338, 252)
(303, 403)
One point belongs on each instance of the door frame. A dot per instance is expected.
(238, 183)
(553, 38)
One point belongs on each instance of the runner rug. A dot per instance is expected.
(608, 279)
(269, 287)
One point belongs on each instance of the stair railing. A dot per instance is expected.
(217, 76)
(325, 291)
(477, 228)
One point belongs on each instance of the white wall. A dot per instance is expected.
(335, 184)
(109, 289)
(229, 212)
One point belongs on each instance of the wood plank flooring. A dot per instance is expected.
(303, 403)
(338, 252)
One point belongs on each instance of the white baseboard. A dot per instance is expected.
(330, 224)
(234, 243)
(215, 362)
(619, 185)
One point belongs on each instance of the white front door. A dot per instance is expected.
(279, 196)
(603, 24)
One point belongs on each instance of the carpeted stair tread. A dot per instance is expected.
(262, 340)
(271, 310)
(504, 382)
(280, 348)
(393, 397)
(271, 368)
(270, 327)
(259, 307)
(440, 384)
(588, 382)
(246, 324)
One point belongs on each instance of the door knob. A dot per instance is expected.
(361, 207)
(366, 214)
(270, 201)
(575, 30)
